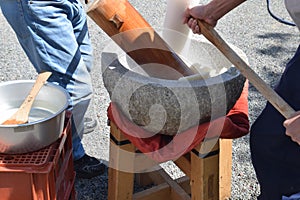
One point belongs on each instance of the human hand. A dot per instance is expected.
(200, 12)
(292, 126)
(209, 13)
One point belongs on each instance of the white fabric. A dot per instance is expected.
(293, 7)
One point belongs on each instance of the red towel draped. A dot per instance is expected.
(162, 148)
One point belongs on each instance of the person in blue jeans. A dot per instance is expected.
(274, 140)
(55, 37)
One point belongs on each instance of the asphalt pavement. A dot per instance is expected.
(267, 43)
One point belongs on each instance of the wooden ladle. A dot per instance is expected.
(22, 114)
(209, 32)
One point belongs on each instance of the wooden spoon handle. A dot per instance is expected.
(40, 81)
(208, 31)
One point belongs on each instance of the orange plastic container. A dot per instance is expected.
(47, 174)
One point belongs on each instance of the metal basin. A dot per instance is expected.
(46, 118)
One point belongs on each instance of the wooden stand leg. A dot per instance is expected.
(210, 175)
(204, 176)
(225, 168)
(120, 173)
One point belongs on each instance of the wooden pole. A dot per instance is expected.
(283, 107)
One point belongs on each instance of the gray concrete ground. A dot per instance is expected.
(267, 43)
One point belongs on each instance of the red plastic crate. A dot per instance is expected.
(47, 174)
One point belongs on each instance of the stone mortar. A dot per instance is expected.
(173, 106)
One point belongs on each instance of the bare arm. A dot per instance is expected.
(210, 13)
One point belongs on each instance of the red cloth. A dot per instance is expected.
(162, 148)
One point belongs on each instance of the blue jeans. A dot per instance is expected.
(54, 35)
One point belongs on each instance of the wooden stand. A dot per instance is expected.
(208, 174)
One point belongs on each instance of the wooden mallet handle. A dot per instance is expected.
(138, 39)
(208, 31)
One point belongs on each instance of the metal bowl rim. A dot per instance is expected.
(47, 118)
